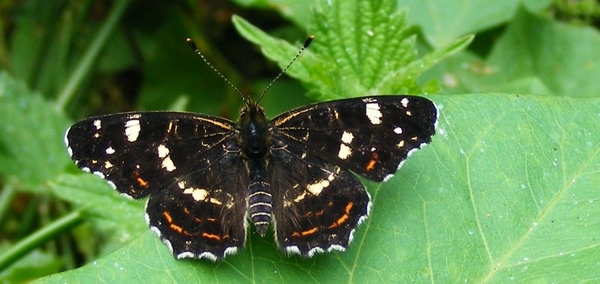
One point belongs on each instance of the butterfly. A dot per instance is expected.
(209, 179)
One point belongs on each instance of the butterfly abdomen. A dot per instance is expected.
(260, 199)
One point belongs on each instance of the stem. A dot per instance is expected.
(90, 56)
(32, 241)
(6, 197)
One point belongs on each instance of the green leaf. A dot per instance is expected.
(297, 11)
(534, 55)
(117, 219)
(167, 79)
(93, 195)
(90, 193)
(507, 191)
(31, 135)
(361, 48)
(566, 59)
(34, 265)
(442, 21)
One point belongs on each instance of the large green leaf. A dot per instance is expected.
(508, 190)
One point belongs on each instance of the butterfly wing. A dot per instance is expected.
(317, 205)
(313, 149)
(172, 157)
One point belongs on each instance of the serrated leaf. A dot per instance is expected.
(442, 21)
(296, 11)
(507, 191)
(31, 135)
(361, 48)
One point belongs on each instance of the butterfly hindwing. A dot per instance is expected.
(317, 204)
(203, 213)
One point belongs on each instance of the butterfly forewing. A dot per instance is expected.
(140, 152)
(370, 136)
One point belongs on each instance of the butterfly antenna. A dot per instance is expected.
(197, 51)
(306, 44)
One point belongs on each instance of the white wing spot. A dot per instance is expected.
(344, 152)
(108, 165)
(101, 175)
(163, 151)
(314, 251)
(292, 250)
(98, 124)
(398, 130)
(199, 194)
(189, 254)
(373, 113)
(400, 144)
(404, 102)
(317, 187)
(110, 150)
(300, 197)
(230, 251)
(152, 228)
(132, 129)
(167, 163)
(347, 137)
(216, 201)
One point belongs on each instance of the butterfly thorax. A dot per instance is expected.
(254, 142)
(254, 131)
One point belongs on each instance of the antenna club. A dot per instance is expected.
(308, 41)
(191, 43)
